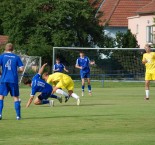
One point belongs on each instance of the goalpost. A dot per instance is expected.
(112, 64)
(31, 66)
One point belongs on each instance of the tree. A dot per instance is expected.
(126, 40)
(36, 26)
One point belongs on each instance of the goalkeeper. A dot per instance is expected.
(149, 62)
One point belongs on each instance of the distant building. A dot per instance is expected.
(116, 12)
(3, 40)
(143, 24)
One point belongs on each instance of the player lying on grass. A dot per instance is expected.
(62, 81)
(149, 62)
(83, 63)
(39, 85)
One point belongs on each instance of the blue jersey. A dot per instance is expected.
(10, 63)
(84, 63)
(58, 67)
(39, 85)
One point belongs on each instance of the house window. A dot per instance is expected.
(149, 34)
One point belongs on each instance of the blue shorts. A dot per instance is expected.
(44, 96)
(85, 75)
(13, 88)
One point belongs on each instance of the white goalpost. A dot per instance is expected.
(31, 66)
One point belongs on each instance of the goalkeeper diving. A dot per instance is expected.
(62, 81)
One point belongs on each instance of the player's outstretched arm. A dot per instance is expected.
(29, 101)
(42, 69)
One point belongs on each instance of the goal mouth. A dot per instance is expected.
(111, 64)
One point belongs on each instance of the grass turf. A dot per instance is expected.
(112, 116)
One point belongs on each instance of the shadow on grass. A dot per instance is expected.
(81, 105)
(74, 116)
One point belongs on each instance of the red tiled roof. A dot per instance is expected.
(116, 12)
(149, 8)
(3, 39)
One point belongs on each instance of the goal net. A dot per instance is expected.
(111, 64)
(31, 66)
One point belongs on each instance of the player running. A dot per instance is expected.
(149, 61)
(10, 63)
(39, 85)
(59, 67)
(62, 81)
(83, 63)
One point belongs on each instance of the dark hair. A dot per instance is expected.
(58, 59)
(45, 74)
(27, 81)
(82, 52)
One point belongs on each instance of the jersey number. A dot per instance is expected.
(8, 64)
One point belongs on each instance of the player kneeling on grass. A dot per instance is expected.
(63, 81)
(39, 85)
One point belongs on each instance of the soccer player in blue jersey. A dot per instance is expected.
(59, 67)
(83, 63)
(39, 85)
(10, 63)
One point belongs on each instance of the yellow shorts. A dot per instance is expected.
(149, 76)
(67, 84)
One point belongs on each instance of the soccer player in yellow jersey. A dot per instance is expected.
(61, 81)
(149, 61)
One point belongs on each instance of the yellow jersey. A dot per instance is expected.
(57, 77)
(150, 65)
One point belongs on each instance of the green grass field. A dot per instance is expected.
(114, 115)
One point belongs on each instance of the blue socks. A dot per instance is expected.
(89, 88)
(17, 108)
(1, 106)
(82, 88)
(54, 96)
(45, 101)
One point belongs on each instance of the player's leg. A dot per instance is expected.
(89, 84)
(82, 83)
(148, 77)
(61, 92)
(59, 85)
(3, 92)
(14, 92)
(17, 107)
(1, 105)
(56, 97)
(147, 89)
(42, 99)
(75, 96)
(70, 89)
